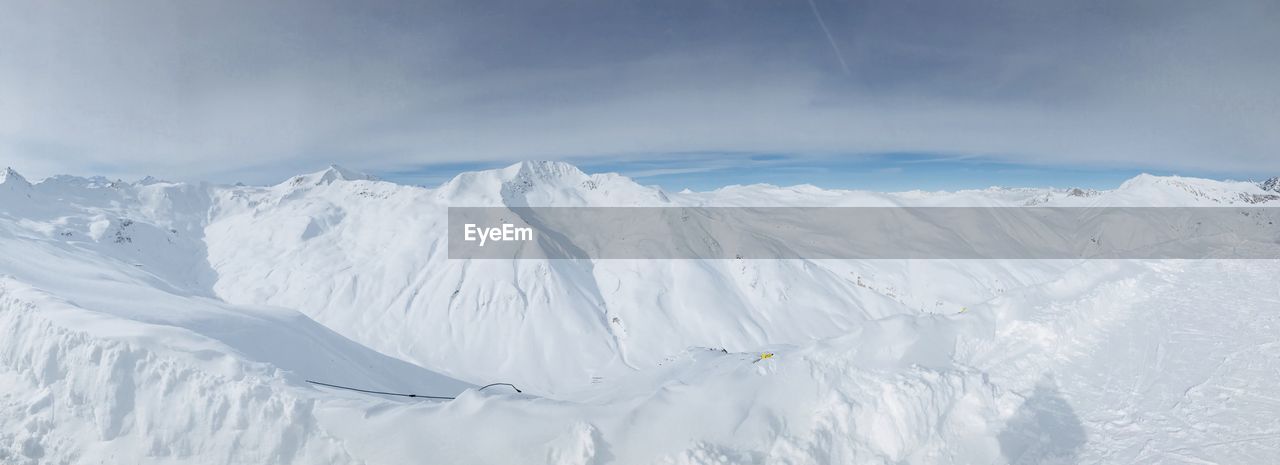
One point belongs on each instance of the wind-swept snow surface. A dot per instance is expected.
(156, 322)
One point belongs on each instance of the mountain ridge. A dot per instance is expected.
(525, 174)
(546, 182)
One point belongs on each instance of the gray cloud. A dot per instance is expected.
(260, 90)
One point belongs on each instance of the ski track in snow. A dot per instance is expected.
(1191, 375)
(167, 323)
(1179, 369)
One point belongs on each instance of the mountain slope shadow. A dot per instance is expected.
(1045, 430)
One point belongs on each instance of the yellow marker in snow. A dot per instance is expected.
(766, 355)
(964, 309)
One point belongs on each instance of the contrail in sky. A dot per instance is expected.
(831, 40)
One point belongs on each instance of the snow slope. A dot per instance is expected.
(174, 323)
(114, 346)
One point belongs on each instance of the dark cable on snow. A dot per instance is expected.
(500, 384)
(416, 396)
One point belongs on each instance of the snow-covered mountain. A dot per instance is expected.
(1271, 185)
(178, 323)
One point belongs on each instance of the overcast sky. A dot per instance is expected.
(257, 91)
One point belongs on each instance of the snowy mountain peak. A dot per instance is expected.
(149, 180)
(1177, 189)
(546, 183)
(1142, 180)
(338, 173)
(63, 181)
(9, 177)
(329, 176)
(1272, 185)
(543, 170)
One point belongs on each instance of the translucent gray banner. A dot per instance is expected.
(862, 232)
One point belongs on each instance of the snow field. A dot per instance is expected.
(158, 322)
